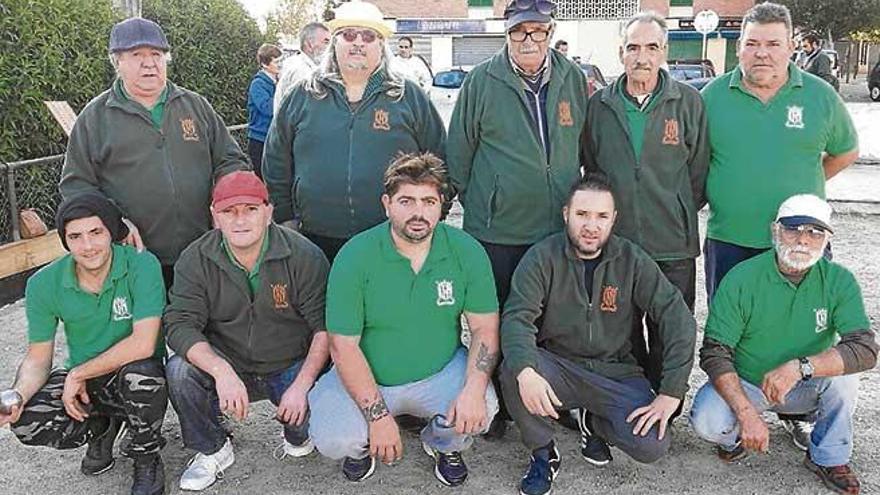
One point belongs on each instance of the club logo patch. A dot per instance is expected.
(381, 122)
(120, 309)
(609, 299)
(795, 117)
(565, 119)
(821, 319)
(188, 130)
(279, 296)
(670, 132)
(445, 293)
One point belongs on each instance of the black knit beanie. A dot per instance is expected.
(90, 204)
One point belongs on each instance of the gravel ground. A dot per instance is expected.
(495, 467)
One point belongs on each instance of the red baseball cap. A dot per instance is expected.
(241, 187)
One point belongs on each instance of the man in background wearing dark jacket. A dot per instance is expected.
(246, 322)
(566, 341)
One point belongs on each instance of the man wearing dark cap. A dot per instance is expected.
(152, 147)
(110, 299)
(787, 332)
(246, 323)
(513, 148)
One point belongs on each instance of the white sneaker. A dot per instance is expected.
(288, 449)
(203, 470)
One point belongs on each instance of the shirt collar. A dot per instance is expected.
(235, 262)
(122, 93)
(544, 71)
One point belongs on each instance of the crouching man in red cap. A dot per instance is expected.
(246, 323)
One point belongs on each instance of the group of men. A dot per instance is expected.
(334, 290)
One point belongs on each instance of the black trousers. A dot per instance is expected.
(329, 245)
(255, 153)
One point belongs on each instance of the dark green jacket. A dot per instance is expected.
(659, 193)
(548, 307)
(211, 301)
(160, 178)
(323, 161)
(511, 191)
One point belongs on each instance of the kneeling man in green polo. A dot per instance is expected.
(395, 299)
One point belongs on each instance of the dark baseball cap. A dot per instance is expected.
(136, 32)
(520, 11)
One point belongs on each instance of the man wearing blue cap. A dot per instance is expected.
(513, 147)
(152, 147)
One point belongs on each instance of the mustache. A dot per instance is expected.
(356, 50)
(417, 219)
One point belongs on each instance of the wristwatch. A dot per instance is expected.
(806, 369)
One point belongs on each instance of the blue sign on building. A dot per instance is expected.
(441, 26)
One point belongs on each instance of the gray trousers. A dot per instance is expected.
(609, 401)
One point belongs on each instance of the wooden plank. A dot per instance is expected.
(23, 255)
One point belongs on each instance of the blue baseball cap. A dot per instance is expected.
(136, 32)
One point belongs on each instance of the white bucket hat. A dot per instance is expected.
(357, 13)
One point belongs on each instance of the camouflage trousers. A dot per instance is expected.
(136, 393)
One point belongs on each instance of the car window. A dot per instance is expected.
(449, 79)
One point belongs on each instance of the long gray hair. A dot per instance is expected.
(328, 71)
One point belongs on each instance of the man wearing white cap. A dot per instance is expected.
(787, 332)
(335, 134)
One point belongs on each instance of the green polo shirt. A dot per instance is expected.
(765, 153)
(132, 291)
(158, 109)
(409, 323)
(768, 320)
(253, 276)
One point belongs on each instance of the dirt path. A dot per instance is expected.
(494, 467)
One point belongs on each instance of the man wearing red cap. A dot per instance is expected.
(246, 323)
(152, 147)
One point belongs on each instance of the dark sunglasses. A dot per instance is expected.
(350, 34)
(542, 6)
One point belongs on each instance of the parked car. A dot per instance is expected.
(595, 79)
(446, 85)
(695, 73)
(874, 82)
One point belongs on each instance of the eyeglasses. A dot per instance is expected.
(537, 36)
(542, 6)
(814, 233)
(368, 35)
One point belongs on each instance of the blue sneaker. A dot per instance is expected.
(358, 469)
(593, 448)
(449, 467)
(543, 468)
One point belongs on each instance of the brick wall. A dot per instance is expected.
(423, 9)
(659, 6)
(724, 8)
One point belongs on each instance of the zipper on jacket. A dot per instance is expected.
(250, 339)
(348, 181)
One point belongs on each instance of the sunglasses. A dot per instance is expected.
(813, 233)
(368, 35)
(544, 7)
(536, 36)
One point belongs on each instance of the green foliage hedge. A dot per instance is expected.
(57, 50)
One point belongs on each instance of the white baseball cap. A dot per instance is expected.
(802, 209)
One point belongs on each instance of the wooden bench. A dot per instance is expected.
(20, 256)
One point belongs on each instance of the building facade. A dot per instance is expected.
(450, 33)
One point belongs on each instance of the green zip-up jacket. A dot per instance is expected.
(162, 177)
(324, 159)
(511, 191)
(266, 332)
(659, 193)
(548, 307)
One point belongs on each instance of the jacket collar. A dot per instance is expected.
(501, 68)
(277, 248)
(613, 95)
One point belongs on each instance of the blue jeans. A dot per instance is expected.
(831, 399)
(339, 429)
(194, 397)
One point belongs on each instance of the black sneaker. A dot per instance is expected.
(149, 476)
(358, 469)
(99, 455)
(593, 448)
(497, 429)
(543, 468)
(449, 468)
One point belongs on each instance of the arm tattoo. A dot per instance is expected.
(375, 409)
(485, 360)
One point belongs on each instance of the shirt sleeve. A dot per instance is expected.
(147, 287)
(842, 135)
(481, 296)
(345, 294)
(42, 317)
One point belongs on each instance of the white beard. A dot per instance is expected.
(785, 255)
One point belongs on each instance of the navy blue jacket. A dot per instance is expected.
(260, 96)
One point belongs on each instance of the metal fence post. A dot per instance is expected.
(13, 202)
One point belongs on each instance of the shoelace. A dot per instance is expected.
(206, 462)
(279, 454)
(453, 459)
